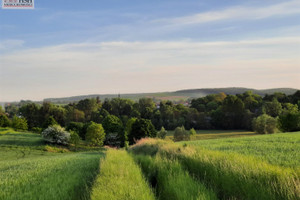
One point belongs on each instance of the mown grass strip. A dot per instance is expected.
(120, 178)
(65, 176)
(171, 181)
(233, 176)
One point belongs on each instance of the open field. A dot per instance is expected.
(278, 149)
(215, 134)
(234, 175)
(30, 172)
(256, 167)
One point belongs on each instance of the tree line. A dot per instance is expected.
(124, 120)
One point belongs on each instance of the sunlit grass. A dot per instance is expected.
(215, 134)
(120, 178)
(231, 175)
(278, 149)
(64, 176)
(170, 181)
(29, 171)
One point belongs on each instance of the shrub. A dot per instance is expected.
(95, 134)
(77, 127)
(114, 131)
(19, 123)
(181, 134)
(193, 132)
(265, 124)
(74, 139)
(37, 130)
(56, 134)
(50, 121)
(112, 124)
(162, 133)
(289, 122)
(4, 121)
(141, 128)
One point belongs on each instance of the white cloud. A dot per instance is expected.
(10, 44)
(118, 66)
(237, 13)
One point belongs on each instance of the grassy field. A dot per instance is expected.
(171, 181)
(28, 171)
(233, 175)
(278, 149)
(256, 167)
(120, 178)
(215, 134)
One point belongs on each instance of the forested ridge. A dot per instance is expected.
(125, 119)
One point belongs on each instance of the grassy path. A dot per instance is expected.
(120, 178)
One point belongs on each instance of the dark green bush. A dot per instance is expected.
(4, 121)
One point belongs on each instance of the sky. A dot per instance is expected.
(68, 48)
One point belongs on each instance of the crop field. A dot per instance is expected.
(256, 167)
(214, 134)
(240, 173)
(27, 171)
(278, 149)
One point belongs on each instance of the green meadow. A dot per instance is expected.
(254, 167)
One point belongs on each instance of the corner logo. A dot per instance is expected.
(17, 4)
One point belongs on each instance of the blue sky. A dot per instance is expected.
(65, 48)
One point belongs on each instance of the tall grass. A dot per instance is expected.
(171, 181)
(63, 176)
(230, 174)
(277, 149)
(120, 178)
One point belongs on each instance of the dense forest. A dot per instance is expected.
(125, 119)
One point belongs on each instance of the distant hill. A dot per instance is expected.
(179, 95)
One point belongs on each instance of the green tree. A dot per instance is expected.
(181, 134)
(19, 123)
(265, 124)
(289, 121)
(273, 108)
(233, 109)
(88, 106)
(4, 121)
(74, 115)
(77, 127)
(146, 107)
(95, 134)
(74, 139)
(112, 124)
(162, 133)
(31, 112)
(50, 121)
(193, 132)
(114, 131)
(141, 128)
(1, 110)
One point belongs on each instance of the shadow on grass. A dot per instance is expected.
(86, 194)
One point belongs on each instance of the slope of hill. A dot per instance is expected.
(175, 96)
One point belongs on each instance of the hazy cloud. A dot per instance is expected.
(237, 13)
(119, 66)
